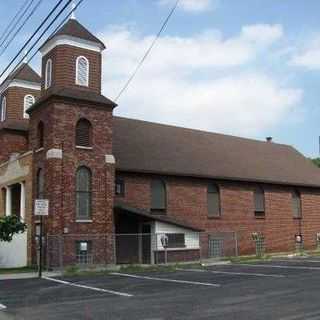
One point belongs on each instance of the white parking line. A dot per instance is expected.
(2, 307)
(278, 266)
(167, 280)
(88, 287)
(236, 273)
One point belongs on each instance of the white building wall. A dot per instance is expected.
(14, 254)
(191, 237)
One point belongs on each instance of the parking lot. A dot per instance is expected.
(286, 289)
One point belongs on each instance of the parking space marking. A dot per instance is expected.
(2, 307)
(236, 273)
(167, 280)
(88, 287)
(279, 266)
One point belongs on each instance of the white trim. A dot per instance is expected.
(54, 154)
(70, 41)
(21, 84)
(88, 287)
(84, 220)
(208, 284)
(3, 109)
(84, 148)
(48, 74)
(26, 106)
(110, 159)
(86, 84)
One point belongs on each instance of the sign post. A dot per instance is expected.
(165, 242)
(41, 209)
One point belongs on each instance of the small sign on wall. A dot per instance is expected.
(41, 207)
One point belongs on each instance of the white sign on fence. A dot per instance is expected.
(41, 207)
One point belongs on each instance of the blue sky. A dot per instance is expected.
(248, 68)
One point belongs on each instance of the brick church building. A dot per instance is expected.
(114, 184)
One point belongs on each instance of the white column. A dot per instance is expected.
(22, 201)
(8, 201)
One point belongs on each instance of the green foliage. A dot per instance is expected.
(9, 226)
(316, 161)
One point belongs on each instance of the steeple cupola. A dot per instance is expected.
(71, 58)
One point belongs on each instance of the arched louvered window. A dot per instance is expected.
(83, 133)
(213, 196)
(82, 71)
(158, 195)
(3, 109)
(40, 134)
(28, 102)
(40, 184)
(83, 192)
(259, 202)
(296, 204)
(48, 74)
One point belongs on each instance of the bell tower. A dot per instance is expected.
(71, 136)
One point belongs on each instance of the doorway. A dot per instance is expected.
(146, 243)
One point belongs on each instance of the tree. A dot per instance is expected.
(316, 161)
(9, 226)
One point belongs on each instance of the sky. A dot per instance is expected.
(249, 68)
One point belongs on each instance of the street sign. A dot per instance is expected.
(41, 207)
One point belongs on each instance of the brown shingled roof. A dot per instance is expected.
(141, 146)
(69, 93)
(73, 28)
(26, 73)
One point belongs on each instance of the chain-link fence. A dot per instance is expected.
(157, 248)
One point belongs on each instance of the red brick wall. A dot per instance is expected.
(60, 174)
(12, 142)
(64, 67)
(15, 102)
(187, 200)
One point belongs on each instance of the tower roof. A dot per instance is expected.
(25, 73)
(74, 29)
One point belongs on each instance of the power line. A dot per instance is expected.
(148, 51)
(74, 8)
(21, 26)
(16, 23)
(13, 19)
(35, 33)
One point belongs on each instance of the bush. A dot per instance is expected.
(9, 226)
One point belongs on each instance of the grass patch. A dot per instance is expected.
(18, 270)
(250, 259)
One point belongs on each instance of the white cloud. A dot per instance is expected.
(308, 57)
(199, 81)
(192, 5)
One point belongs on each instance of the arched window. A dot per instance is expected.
(83, 133)
(296, 204)
(40, 134)
(28, 102)
(83, 191)
(158, 195)
(82, 71)
(40, 184)
(3, 109)
(213, 195)
(48, 74)
(259, 203)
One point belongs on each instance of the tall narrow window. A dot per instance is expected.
(82, 71)
(213, 195)
(296, 204)
(40, 184)
(28, 102)
(259, 203)
(158, 195)
(40, 134)
(83, 133)
(83, 191)
(3, 109)
(48, 74)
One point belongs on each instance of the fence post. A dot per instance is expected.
(236, 243)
